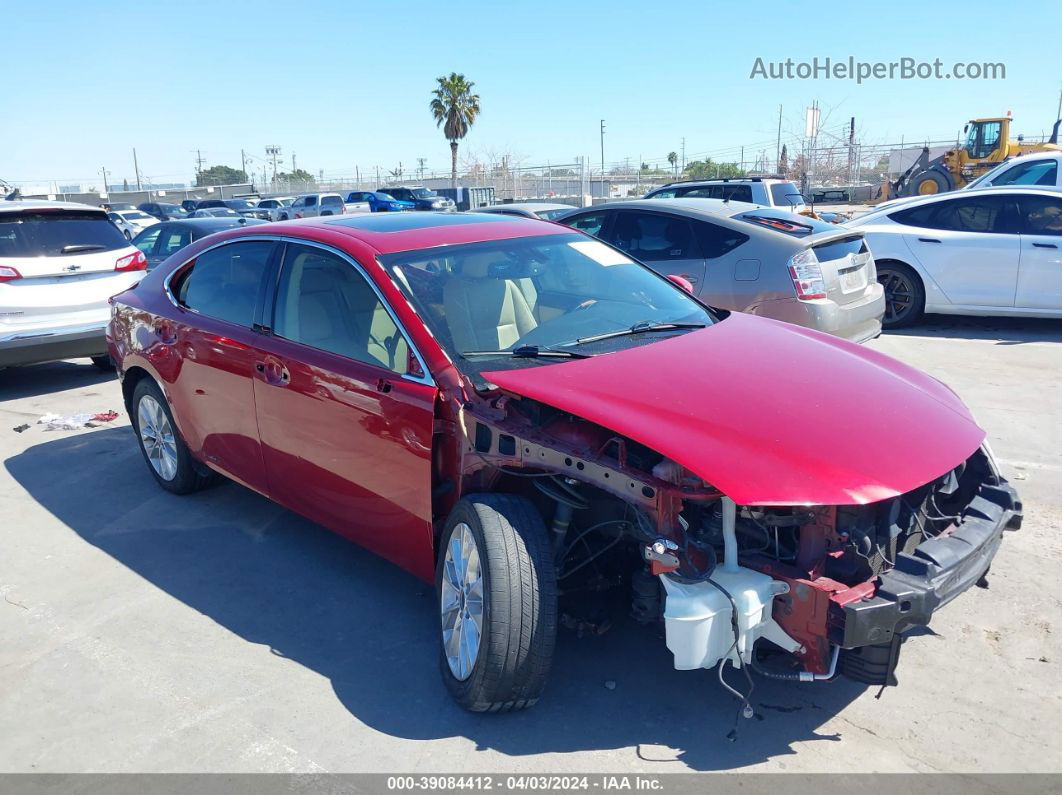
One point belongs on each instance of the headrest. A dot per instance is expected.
(315, 280)
(477, 266)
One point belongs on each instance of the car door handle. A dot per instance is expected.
(1045, 245)
(928, 240)
(383, 385)
(273, 373)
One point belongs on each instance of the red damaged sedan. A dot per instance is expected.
(526, 416)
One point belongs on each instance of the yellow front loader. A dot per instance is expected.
(988, 144)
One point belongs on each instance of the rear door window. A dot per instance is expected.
(173, 240)
(146, 240)
(224, 282)
(737, 193)
(311, 201)
(654, 237)
(974, 214)
(331, 200)
(56, 233)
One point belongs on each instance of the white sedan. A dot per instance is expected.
(991, 251)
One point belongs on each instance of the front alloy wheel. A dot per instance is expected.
(461, 602)
(497, 588)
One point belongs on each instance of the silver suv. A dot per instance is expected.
(59, 265)
(765, 191)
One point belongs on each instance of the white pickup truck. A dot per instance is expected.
(311, 205)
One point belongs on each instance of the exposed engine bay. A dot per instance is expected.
(793, 592)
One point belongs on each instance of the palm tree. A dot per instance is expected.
(454, 108)
(672, 158)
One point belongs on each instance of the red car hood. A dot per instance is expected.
(769, 413)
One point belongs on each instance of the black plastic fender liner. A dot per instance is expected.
(935, 572)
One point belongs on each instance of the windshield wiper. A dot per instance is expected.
(79, 247)
(530, 352)
(640, 328)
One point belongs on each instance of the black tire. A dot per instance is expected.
(929, 183)
(519, 603)
(104, 362)
(905, 295)
(187, 477)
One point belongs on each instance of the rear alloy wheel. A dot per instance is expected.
(905, 296)
(497, 590)
(165, 452)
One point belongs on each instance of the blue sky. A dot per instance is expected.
(347, 84)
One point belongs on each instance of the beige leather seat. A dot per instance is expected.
(485, 313)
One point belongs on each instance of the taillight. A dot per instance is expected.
(133, 262)
(807, 276)
(8, 274)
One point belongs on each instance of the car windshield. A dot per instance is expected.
(549, 215)
(385, 197)
(537, 294)
(52, 234)
(135, 215)
(423, 193)
(239, 204)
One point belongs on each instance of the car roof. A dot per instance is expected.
(723, 180)
(499, 208)
(705, 207)
(214, 222)
(390, 233)
(41, 204)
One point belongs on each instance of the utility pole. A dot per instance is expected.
(420, 166)
(293, 166)
(684, 153)
(273, 151)
(778, 145)
(136, 169)
(602, 148)
(103, 171)
(243, 162)
(198, 161)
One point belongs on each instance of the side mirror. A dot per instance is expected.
(681, 282)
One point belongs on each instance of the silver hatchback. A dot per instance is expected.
(748, 258)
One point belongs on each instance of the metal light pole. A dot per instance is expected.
(602, 149)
